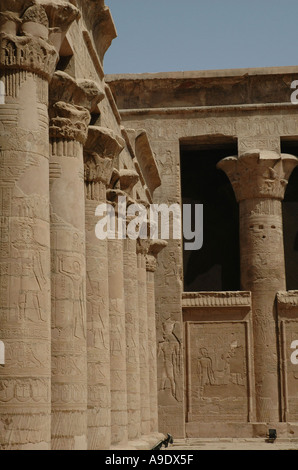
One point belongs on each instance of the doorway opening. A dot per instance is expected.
(290, 217)
(216, 266)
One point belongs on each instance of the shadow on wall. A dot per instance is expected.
(216, 266)
(290, 226)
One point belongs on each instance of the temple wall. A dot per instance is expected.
(179, 108)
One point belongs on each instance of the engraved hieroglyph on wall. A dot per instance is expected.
(217, 371)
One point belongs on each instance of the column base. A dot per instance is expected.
(144, 443)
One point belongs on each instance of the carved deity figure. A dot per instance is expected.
(205, 370)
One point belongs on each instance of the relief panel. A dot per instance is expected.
(217, 371)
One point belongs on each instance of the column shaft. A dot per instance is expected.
(152, 351)
(151, 262)
(132, 338)
(143, 338)
(98, 335)
(117, 343)
(259, 179)
(101, 147)
(26, 64)
(69, 355)
(263, 273)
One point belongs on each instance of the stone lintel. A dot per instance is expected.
(199, 89)
(130, 143)
(259, 173)
(240, 299)
(145, 161)
(98, 17)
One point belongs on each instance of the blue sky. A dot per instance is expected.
(180, 35)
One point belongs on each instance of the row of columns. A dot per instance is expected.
(74, 309)
(27, 64)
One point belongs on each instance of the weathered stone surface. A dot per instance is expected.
(259, 179)
(68, 132)
(26, 66)
(178, 109)
(102, 147)
(103, 348)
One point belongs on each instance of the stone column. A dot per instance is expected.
(27, 62)
(117, 333)
(151, 260)
(259, 179)
(128, 179)
(101, 148)
(142, 250)
(69, 113)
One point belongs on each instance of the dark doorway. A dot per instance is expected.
(216, 266)
(290, 218)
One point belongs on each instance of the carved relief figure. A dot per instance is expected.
(32, 278)
(234, 370)
(170, 351)
(205, 370)
(96, 305)
(130, 339)
(78, 298)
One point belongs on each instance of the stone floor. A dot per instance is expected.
(232, 444)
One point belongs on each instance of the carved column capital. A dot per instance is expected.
(61, 15)
(128, 179)
(31, 34)
(71, 102)
(113, 197)
(84, 93)
(143, 246)
(101, 148)
(156, 246)
(31, 54)
(69, 122)
(259, 174)
(11, 12)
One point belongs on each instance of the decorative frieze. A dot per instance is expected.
(287, 300)
(216, 299)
